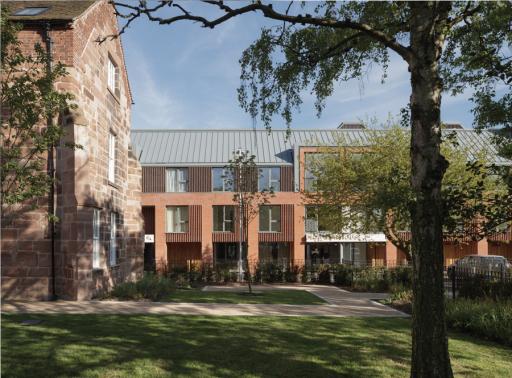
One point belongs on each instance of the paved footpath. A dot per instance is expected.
(341, 303)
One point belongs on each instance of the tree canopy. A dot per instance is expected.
(366, 188)
(30, 110)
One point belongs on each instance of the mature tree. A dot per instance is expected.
(30, 108)
(321, 45)
(243, 177)
(365, 187)
(487, 66)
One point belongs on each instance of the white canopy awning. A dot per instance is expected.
(327, 237)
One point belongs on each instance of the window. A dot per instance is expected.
(96, 239)
(270, 218)
(177, 219)
(228, 253)
(176, 180)
(113, 242)
(269, 179)
(309, 177)
(113, 77)
(222, 180)
(223, 218)
(30, 11)
(112, 158)
(273, 252)
(314, 220)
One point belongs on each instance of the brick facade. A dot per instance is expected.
(172, 249)
(83, 184)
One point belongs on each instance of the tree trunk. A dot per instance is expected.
(430, 357)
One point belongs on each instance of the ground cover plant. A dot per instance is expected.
(197, 346)
(152, 287)
(482, 317)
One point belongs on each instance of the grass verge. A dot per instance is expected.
(291, 297)
(197, 346)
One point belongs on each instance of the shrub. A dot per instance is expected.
(485, 318)
(371, 279)
(292, 274)
(343, 275)
(401, 275)
(125, 291)
(151, 286)
(269, 272)
(477, 286)
(400, 293)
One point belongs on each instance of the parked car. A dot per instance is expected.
(480, 264)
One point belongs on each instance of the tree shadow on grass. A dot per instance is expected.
(162, 345)
(78, 345)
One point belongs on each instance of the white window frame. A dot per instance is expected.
(176, 180)
(271, 220)
(113, 239)
(96, 227)
(178, 224)
(113, 76)
(269, 185)
(227, 178)
(112, 142)
(225, 220)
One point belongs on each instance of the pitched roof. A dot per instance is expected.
(60, 10)
(215, 147)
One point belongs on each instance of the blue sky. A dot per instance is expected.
(185, 77)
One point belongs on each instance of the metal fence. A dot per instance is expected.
(458, 278)
(280, 270)
(283, 263)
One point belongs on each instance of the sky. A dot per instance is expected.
(183, 76)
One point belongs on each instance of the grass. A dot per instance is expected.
(292, 297)
(197, 346)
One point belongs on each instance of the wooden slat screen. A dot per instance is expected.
(287, 179)
(153, 179)
(200, 179)
(250, 179)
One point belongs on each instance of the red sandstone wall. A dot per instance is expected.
(82, 174)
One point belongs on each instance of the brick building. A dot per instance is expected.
(190, 213)
(99, 238)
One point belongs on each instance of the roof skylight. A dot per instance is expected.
(30, 11)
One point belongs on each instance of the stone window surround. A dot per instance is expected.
(112, 64)
(112, 160)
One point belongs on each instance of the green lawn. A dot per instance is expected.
(293, 297)
(184, 346)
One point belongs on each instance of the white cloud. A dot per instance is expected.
(155, 105)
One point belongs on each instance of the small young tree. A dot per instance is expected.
(29, 126)
(366, 188)
(248, 198)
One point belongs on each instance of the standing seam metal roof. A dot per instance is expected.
(215, 147)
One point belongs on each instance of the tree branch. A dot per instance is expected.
(267, 10)
(392, 235)
(464, 15)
